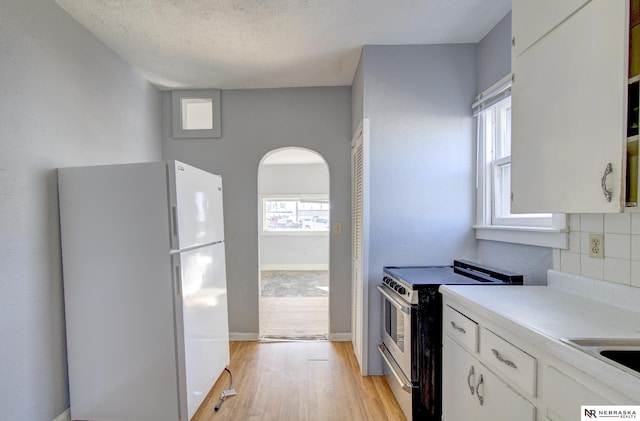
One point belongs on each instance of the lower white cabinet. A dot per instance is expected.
(495, 368)
(472, 392)
(564, 395)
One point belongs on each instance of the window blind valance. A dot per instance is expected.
(492, 95)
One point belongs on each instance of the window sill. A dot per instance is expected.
(533, 236)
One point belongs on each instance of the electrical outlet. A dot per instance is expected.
(337, 228)
(596, 245)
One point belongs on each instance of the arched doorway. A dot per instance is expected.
(293, 190)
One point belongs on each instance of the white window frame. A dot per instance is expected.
(547, 230)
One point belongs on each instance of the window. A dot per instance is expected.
(493, 112)
(295, 214)
(196, 113)
(495, 132)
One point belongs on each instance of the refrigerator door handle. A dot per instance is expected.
(178, 281)
(174, 220)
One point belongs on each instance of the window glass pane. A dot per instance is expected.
(494, 166)
(503, 190)
(197, 113)
(502, 115)
(296, 215)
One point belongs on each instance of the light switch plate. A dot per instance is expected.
(596, 245)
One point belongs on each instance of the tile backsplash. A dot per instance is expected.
(621, 262)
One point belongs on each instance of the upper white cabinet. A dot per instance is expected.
(569, 108)
(532, 20)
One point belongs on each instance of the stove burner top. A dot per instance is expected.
(405, 280)
(428, 275)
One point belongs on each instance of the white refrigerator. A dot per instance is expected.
(145, 289)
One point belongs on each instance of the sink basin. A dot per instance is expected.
(628, 358)
(620, 352)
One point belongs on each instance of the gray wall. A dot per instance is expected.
(294, 252)
(299, 250)
(421, 160)
(494, 54)
(66, 100)
(294, 179)
(494, 63)
(255, 122)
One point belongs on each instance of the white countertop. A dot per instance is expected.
(541, 315)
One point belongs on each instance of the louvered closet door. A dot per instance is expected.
(357, 183)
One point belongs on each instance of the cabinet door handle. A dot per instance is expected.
(503, 360)
(469, 380)
(480, 397)
(458, 328)
(603, 183)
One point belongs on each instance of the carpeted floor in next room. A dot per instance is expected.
(294, 305)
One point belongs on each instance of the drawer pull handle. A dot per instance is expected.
(469, 380)
(502, 360)
(458, 328)
(480, 397)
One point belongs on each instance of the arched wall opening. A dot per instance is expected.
(293, 223)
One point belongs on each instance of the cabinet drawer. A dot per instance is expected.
(510, 361)
(462, 328)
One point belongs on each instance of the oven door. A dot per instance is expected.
(396, 348)
(396, 328)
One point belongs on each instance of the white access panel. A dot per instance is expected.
(205, 325)
(118, 289)
(196, 206)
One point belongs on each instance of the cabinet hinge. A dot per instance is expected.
(513, 78)
(513, 41)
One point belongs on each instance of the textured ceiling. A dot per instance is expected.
(272, 43)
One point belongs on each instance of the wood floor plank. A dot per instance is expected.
(294, 317)
(305, 381)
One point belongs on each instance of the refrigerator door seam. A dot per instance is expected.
(196, 247)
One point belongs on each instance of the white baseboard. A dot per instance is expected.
(242, 337)
(319, 266)
(340, 337)
(65, 416)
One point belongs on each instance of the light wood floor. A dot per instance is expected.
(299, 381)
(294, 317)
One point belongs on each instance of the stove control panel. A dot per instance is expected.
(403, 290)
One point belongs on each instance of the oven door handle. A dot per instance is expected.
(395, 301)
(395, 369)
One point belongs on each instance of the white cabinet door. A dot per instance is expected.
(472, 392)
(499, 402)
(564, 396)
(532, 20)
(460, 373)
(568, 119)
